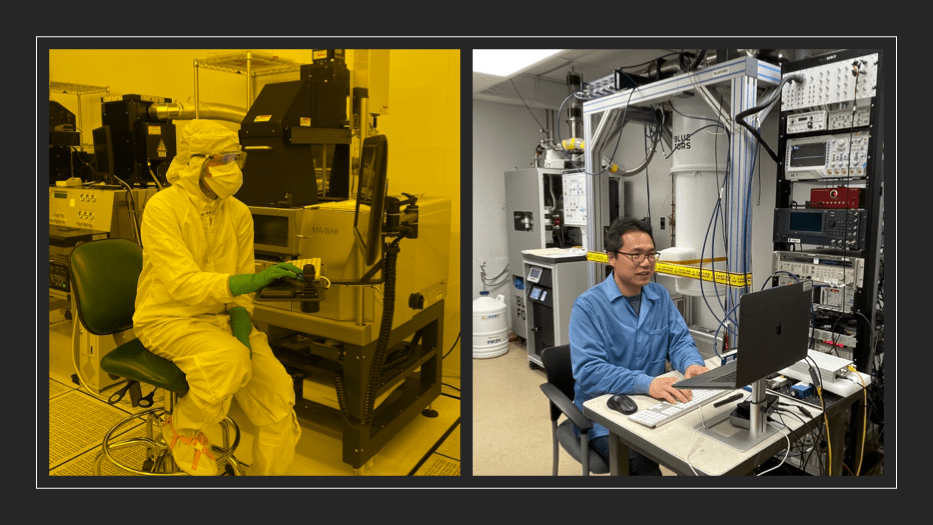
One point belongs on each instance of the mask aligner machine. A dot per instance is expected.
(368, 357)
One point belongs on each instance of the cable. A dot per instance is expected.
(829, 442)
(452, 347)
(647, 183)
(74, 359)
(818, 384)
(131, 205)
(714, 219)
(787, 451)
(717, 209)
(517, 92)
(693, 437)
(391, 251)
(864, 417)
(650, 62)
(621, 125)
(491, 283)
(693, 65)
(775, 96)
(780, 412)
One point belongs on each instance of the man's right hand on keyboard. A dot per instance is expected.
(661, 388)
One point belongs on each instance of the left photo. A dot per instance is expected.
(254, 261)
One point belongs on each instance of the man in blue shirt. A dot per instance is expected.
(622, 331)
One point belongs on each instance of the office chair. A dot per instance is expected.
(104, 274)
(559, 391)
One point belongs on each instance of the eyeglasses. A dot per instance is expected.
(219, 159)
(637, 258)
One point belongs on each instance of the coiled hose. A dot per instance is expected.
(382, 346)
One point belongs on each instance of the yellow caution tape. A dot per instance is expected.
(698, 261)
(686, 269)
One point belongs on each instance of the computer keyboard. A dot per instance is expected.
(663, 412)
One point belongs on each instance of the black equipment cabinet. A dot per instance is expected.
(132, 140)
(412, 382)
(824, 75)
(297, 138)
(416, 391)
(817, 71)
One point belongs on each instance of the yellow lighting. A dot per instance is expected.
(504, 62)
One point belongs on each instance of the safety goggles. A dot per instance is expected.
(220, 159)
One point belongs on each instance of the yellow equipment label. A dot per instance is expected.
(690, 270)
(262, 118)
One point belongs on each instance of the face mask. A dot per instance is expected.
(220, 180)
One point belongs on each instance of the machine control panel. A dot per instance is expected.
(58, 277)
(574, 186)
(827, 156)
(822, 268)
(849, 118)
(836, 228)
(90, 209)
(835, 82)
(835, 278)
(805, 122)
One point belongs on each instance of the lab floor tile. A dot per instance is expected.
(78, 423)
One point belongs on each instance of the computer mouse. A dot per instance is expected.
(622, 403)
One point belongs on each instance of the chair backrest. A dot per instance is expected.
(557, 368)
(104, 275)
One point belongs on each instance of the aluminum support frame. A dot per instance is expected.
(738, 215)
(744, 75)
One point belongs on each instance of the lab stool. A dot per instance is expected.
(103, 275)
(139, 365)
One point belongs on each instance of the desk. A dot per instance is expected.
(677, 446)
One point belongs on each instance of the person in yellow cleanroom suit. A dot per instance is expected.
(193, 305)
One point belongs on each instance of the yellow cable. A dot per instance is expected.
(864, 417)
(829, 443)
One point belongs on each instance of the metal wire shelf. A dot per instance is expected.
(253, 63)
(76, 89)
(245, 63)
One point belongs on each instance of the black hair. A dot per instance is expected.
(621, 226)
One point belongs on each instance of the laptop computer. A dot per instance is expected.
(774, 326)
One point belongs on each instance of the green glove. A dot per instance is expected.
(253, 282)
(241, 326)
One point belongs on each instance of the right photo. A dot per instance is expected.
(678, 260)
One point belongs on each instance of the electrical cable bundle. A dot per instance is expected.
(775, 96)
(728, 319)
(496, 281)
(382, 344)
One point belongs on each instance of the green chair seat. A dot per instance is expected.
(133, 361)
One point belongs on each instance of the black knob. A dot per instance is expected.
(416, 301)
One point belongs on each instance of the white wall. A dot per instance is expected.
(504, 137)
